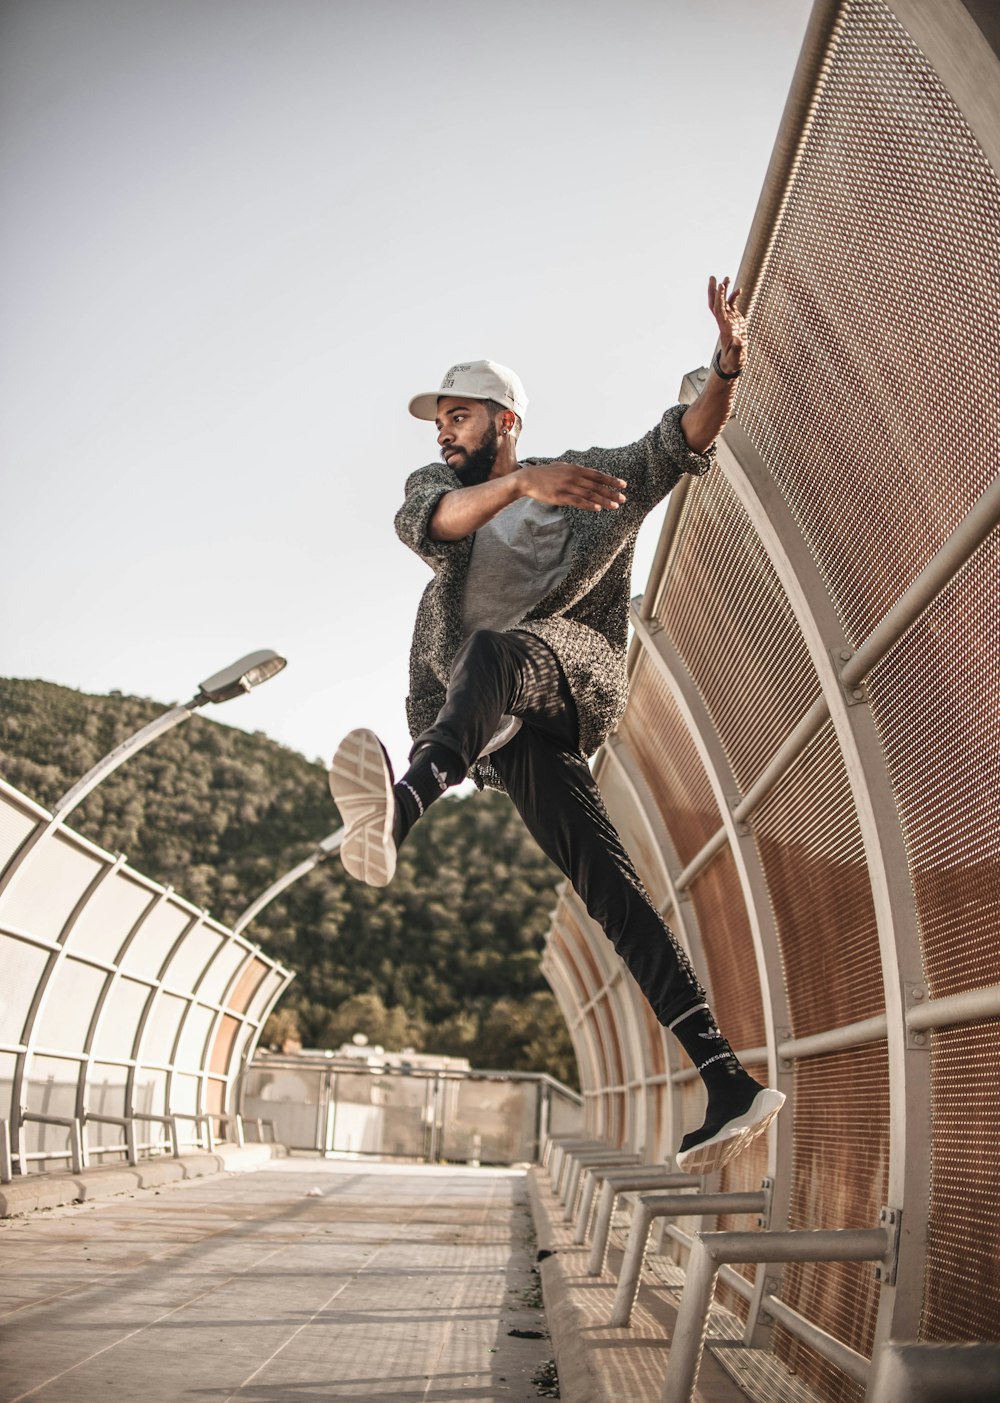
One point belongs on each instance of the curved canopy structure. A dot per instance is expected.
(808, 774)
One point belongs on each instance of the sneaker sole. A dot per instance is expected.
(734, 1137)
(361, 785)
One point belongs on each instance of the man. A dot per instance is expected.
(518, 672)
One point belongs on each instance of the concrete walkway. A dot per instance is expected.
(300, 1280)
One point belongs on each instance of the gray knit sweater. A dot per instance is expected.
(584, 619)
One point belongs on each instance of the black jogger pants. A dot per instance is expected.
(549, 781)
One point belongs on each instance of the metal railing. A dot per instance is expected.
(80, 1154)
(332, 1106)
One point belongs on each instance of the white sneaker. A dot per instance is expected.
(361, 785)
(732, 1138)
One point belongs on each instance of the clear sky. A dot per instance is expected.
(237, 235)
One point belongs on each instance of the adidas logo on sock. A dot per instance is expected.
(440, 776)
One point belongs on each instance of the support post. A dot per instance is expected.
(6, 1161)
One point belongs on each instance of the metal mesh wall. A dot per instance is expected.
(840, 1175)
(879, 457)
(875, 351)
(729, 953)
(729, 618)
(654, 731)
(814, 863)
(866, 451)
(939, 688)
(962, 1280)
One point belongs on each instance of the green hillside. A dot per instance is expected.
(445, 960)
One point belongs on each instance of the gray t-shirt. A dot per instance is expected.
(517, 558)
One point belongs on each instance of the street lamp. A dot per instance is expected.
(319, 854)
(232, 681)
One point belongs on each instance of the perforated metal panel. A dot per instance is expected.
(814, 862)
(728, 946)
(729, 619)
(936, 701)
(50, 886)
(872, 411)
(840, 1174)
(656, 735)
(962, 1289)
(109, 916)
(872, 389)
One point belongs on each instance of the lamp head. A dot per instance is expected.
(240, 676)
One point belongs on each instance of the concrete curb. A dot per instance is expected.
(29, 1192)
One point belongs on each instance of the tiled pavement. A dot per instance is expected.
(301, 1280)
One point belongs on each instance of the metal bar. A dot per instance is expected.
(736, 1282)
(866, 1030)
(690, 1326)
(747, 1055)
(6, 1163)
(856, 1366)
(936, 1373)
(710, 1250)
(321, 852)
(729, 1275)
(654, 1175)
(76, 1146)
(701, 859)
(584, 1159)
(969, 1007)
(116, 757)
(652, 1206)
(559, 1159)
(800, 1245)
(610, 1189)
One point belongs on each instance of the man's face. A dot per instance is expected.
(467, 435)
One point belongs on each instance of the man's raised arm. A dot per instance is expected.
(705, 419)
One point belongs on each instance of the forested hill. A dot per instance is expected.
(446, 959)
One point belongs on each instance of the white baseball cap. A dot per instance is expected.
(474, 379)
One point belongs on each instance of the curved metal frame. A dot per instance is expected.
(60, 949)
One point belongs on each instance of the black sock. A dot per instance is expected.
(730, 1086)
(433, 769)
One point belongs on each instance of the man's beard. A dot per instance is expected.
(478, 464)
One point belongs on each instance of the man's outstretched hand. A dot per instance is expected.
(564, 484)
(732, 325)
(464, 510)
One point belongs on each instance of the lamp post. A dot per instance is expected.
(233, 681)
(319, 854)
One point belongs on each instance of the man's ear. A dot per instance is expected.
(507, 420)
